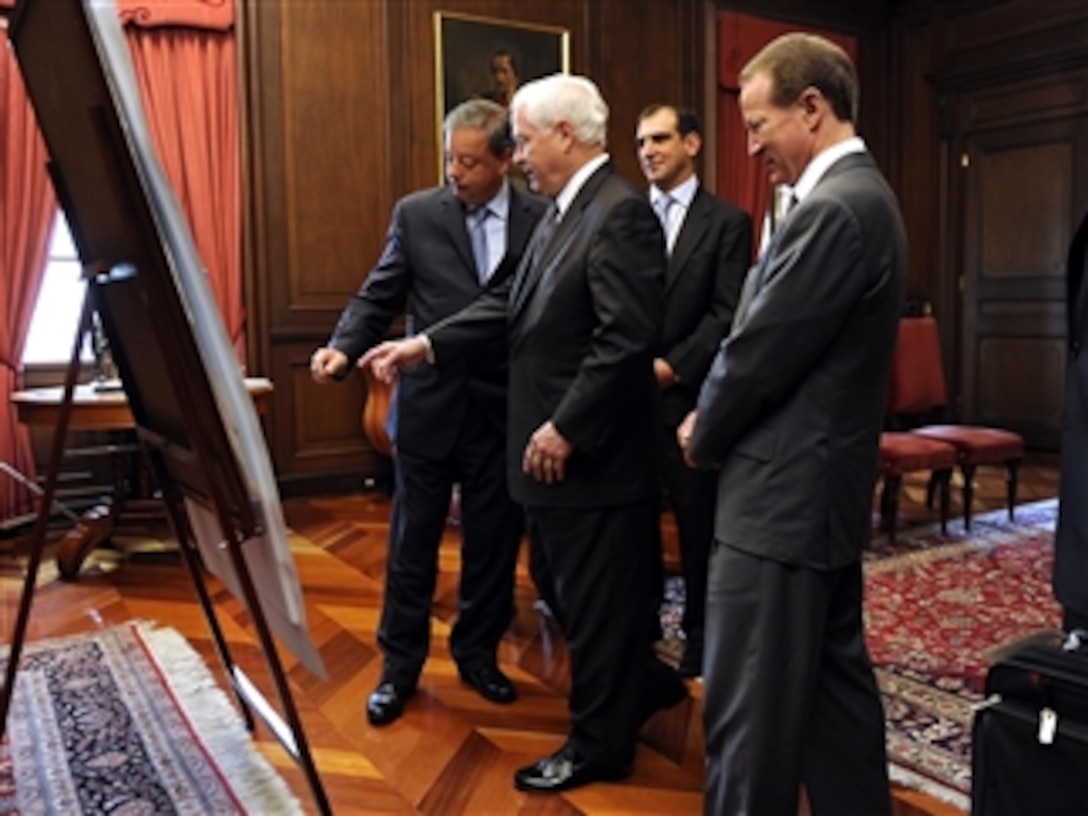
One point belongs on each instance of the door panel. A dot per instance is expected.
(1019, 202)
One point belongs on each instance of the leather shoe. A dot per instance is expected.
(664, 689)
(691, 664)
(563, 770)
(386, 703)
(492, 684)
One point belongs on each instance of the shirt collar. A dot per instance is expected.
(683, 192)
(576, 182)
(500, 204)
(822, 162)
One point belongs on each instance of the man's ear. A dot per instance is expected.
(565, 131)
(813, 105)
(693, 143)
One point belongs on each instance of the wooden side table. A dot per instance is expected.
(95, 410)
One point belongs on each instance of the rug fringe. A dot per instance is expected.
(930, 787)
(217, 723)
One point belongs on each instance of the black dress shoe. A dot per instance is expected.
(691, 664)
(563, 770)
(386, 703)
(492, 684)
(664, 689)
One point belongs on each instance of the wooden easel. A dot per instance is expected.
(145, 282)
(237, 525)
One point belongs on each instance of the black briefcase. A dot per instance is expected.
(1029, 741)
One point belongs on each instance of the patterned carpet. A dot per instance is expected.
(128, 720)
(939, 610)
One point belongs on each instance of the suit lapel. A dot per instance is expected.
(518, 228)
(691, 233)
(453, 219)
(541, 260)
(754, 282)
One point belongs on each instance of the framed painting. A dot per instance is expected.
(482, 57)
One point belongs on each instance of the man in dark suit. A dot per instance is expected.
(791, 413)
(582, 317)
(1071, 539)
(709, 245)
(445, 246)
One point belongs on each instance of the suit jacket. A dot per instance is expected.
(1071, 539)
(427, 266)
(793, 405)
(705, 273)
(582, 315)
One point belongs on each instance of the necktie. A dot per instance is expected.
(666, 208)
(544, 230)
(529, 271)
(478, 235)
(773, 220)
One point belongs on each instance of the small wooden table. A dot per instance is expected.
(94, 409)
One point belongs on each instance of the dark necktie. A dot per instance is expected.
(544, 231)
(528, 270)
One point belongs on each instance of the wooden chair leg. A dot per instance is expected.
(968, 494)
(944, 479)
(889, 504)
(932, 486)
(1012, 470)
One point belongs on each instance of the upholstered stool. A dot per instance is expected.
(976, 446)
(903, 452)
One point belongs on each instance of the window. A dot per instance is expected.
(60, 302)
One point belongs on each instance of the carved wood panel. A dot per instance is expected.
(340, 122)
(1020, 189)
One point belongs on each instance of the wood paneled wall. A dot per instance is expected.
(341, 121)
(992, 169)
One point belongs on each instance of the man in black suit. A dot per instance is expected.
(709, 244)
(791, 413)
(450, 424)
(582, 317)
(1071, 539)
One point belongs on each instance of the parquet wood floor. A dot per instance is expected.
(452, 752)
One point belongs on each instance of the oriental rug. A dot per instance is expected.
(939, 609)
(128, 720)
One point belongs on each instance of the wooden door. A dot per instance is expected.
(1019, 185)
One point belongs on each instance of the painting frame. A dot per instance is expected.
(464, 47)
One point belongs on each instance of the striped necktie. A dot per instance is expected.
(666, 211)
(478, 235)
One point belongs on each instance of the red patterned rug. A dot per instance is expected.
(939, 609)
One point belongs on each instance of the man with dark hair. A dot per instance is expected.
(445, 246)
(709, 246)
(791, 414)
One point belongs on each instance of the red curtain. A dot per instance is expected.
(183, 53)
(26, 214)
(188, 83)
(211, 15)
(741, 179)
